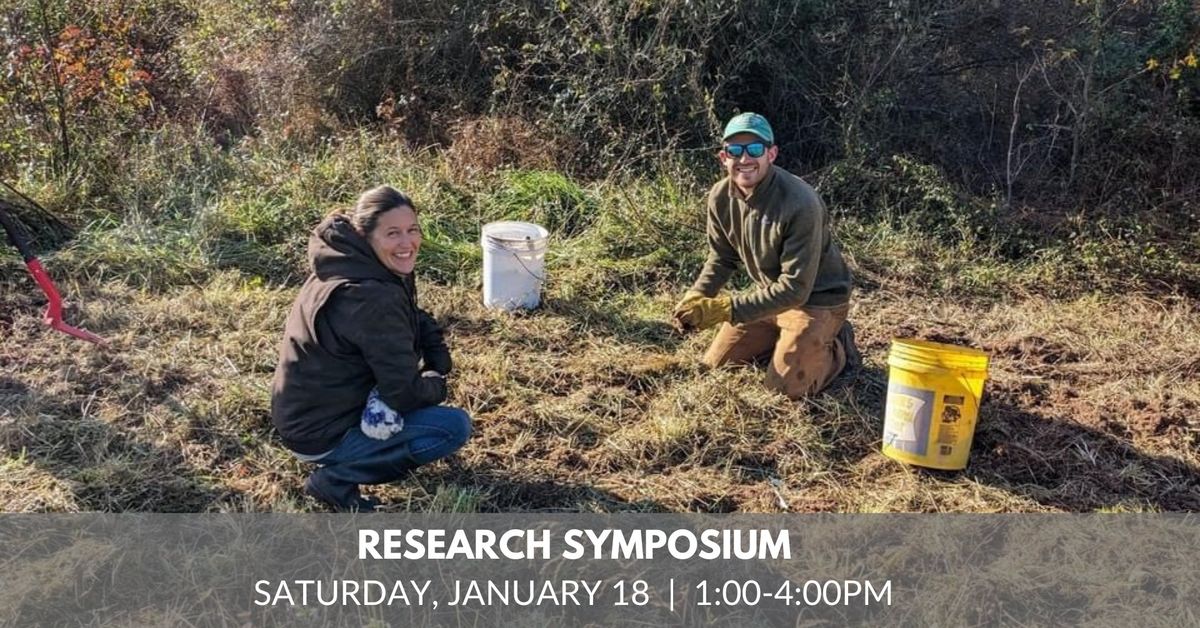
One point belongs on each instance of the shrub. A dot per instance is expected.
(488, 144)
(82, 75)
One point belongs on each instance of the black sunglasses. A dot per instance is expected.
(754, 149)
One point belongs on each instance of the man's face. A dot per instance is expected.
(745, 171)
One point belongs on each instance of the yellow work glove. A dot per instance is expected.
(683, 307)
(697, 311)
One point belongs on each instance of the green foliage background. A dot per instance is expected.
(1057, 138)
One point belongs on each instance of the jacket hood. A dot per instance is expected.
(337, 251)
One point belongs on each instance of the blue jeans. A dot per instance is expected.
(429, 434)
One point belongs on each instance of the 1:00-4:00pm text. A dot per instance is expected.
(793, 593)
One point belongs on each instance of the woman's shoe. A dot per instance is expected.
(339, 497)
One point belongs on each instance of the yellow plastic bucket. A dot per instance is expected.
(932, 402)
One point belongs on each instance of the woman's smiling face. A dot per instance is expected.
(396, 239)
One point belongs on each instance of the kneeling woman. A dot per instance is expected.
(361, 369)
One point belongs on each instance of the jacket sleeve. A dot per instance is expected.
(433, 344)
(383, 329)
(722, 258)
(799, 259)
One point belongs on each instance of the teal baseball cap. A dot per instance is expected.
(749, 123)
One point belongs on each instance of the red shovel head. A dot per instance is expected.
(53, 316)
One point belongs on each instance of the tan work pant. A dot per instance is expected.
(803, 345)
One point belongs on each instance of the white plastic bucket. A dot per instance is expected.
(514, 258)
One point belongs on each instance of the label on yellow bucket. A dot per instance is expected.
(907, 421)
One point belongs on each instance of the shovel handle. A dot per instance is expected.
(14, 233)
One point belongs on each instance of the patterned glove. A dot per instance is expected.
(378, 420)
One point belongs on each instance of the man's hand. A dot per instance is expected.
(697, 311)
(682, 312)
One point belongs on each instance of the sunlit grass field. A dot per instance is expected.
(188, 263)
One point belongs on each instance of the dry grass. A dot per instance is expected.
(1092, 405)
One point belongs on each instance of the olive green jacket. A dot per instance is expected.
(781, 234)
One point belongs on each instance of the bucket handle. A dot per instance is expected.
(520, 261)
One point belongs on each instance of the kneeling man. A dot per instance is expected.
(776, 225)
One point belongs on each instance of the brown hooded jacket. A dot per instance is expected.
(355, 325)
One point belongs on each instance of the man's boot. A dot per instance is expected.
(853, 358)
